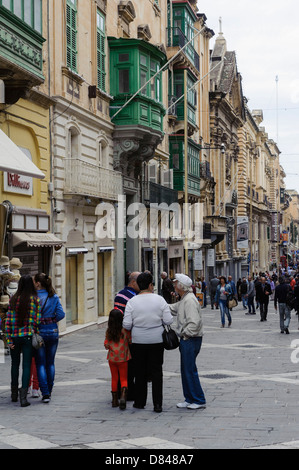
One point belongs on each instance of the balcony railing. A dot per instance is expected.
(176, 37)
(88, 179)
(159, 194)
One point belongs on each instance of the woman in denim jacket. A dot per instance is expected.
(52, 313)
(223, 293)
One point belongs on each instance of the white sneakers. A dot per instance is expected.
(190, 406)
(195, 406)
(183, 405)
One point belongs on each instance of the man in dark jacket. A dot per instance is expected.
(281, 292)
(263, 292)
(167, 288)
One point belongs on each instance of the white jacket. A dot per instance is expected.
(189, 319)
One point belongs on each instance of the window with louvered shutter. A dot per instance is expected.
(71, 34)
(101, 56)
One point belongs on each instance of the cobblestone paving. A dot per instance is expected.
(249, 373)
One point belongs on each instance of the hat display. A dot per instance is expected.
(4, 301)
(12, 288)
(16, 276)
(15, 263)
(4, 261)
(183, 279)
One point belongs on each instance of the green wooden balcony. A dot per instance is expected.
(132, 63)
(21, 54)
(177, 163)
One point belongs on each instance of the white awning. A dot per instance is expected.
(36, 239)
(13, 160)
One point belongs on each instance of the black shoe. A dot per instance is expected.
(140, 407)
(287, 331)
(158, 408)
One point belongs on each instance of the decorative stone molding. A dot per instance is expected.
(143, 32)
(126, 11)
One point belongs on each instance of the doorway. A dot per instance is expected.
(71, 283)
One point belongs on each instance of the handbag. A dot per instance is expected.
(232, 302)
(37, 341)
(170, 339)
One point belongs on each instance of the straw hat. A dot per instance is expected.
(16, 276)
(15, 263)
(4, 301)
(4, 261)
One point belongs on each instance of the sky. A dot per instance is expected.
(265, 36)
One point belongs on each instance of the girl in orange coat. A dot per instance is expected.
(117, 343)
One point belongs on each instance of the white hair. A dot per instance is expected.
(183, 287)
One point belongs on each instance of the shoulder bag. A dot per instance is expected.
(170, 338)
(37, 340)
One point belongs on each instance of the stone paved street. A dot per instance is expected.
(249, 373)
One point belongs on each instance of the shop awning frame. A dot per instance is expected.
(13, 160)
(37, 240)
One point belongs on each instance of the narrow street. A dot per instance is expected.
(248, 372)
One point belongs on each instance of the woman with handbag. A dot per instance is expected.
(51, 313)
(223, 293)
(23, 318)
(145, 315)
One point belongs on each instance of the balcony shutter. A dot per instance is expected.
(152, 173)
(101, 56)
(71, 34)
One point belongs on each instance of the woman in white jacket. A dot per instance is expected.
(145, 315)
(190, 331)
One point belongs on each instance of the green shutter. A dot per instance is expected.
(101, 56)
(71, 34)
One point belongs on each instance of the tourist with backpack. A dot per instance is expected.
(282, 296)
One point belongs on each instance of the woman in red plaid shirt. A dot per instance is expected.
(22, 321)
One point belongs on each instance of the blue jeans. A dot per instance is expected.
(45, 358)
(284, 316)
(244, 300)
(192, 390)
(224, 310)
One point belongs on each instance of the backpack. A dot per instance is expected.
(291, 299)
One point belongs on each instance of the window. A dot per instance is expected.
(29, 11)
(123, 82)
(101, 56)
(71, 34)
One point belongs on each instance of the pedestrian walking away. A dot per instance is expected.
(213, 288)
(263, 292)
(280, 297)
(190, 331)
(23, 318)
(250, 296)
(51, 313)
(144, 316)
(243, 290)
(223, 293)
(117, 342)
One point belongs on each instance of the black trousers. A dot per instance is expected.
(264, 310)
(148, 361)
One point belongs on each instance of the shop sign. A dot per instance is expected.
(18, 184)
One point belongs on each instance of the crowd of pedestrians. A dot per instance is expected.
(255, 292)
(136, 325)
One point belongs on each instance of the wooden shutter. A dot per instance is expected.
(71, 35)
